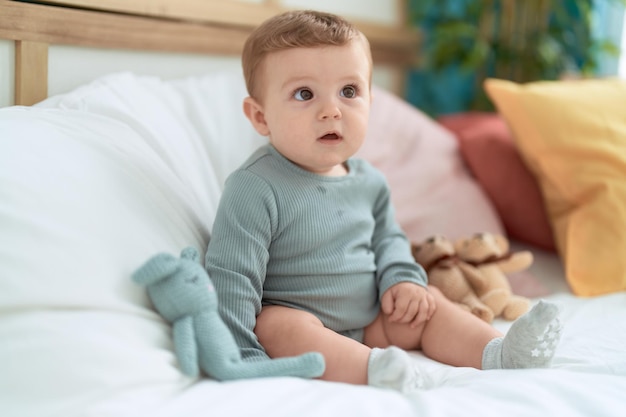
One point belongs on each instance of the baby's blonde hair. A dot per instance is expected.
(295, 29)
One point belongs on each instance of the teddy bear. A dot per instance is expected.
(438, 258)
(486, 261)
(182, 292)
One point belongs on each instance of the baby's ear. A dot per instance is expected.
(254, 112)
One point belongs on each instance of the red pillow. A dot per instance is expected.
(488, 148)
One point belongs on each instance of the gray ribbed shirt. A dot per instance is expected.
(326, 245)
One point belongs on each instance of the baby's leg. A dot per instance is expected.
(529, 343)
(287, 332)
(457, 337)
(284, 331)
(452, 336)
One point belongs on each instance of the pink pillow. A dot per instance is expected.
(488, 147)
(431, 188)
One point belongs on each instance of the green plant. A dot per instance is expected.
(519, 40)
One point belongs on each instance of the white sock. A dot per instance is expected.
(529, 343)
(393, 368)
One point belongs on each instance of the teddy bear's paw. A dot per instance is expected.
(515, 308)
(483, 313)
(496, 300)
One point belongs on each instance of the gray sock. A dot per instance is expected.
(393, 368)
(529, 343)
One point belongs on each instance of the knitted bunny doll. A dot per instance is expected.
(183, 294)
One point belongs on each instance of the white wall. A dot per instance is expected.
(86, 64)
(7, 64)
(69, 67)
(379, 11)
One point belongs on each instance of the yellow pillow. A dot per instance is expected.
(572, 135)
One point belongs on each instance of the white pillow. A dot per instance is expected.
(195, 124)
(93, 183)
(83, 201)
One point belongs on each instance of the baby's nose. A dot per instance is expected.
(329, 110)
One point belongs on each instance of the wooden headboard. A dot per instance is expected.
(215, 27)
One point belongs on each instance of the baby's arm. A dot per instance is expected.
(237, 257)
(401, 281)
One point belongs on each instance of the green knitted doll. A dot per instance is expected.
(183, 294)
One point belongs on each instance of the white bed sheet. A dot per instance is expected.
(588, 378)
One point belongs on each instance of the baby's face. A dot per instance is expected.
(315, 103)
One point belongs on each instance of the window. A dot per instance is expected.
(622, 61)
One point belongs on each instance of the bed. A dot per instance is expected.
(96, 179)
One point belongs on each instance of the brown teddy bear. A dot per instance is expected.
(437, 256)
(487, 260)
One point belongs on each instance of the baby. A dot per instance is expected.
(305, 252)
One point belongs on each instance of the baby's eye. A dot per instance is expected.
(349, 91)
(303, 94)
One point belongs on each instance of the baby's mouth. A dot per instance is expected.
(330, 136)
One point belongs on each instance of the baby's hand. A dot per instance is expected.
(407, 302)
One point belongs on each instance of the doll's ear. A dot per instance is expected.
(156, 269)
(190, 253)
(255, 113)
